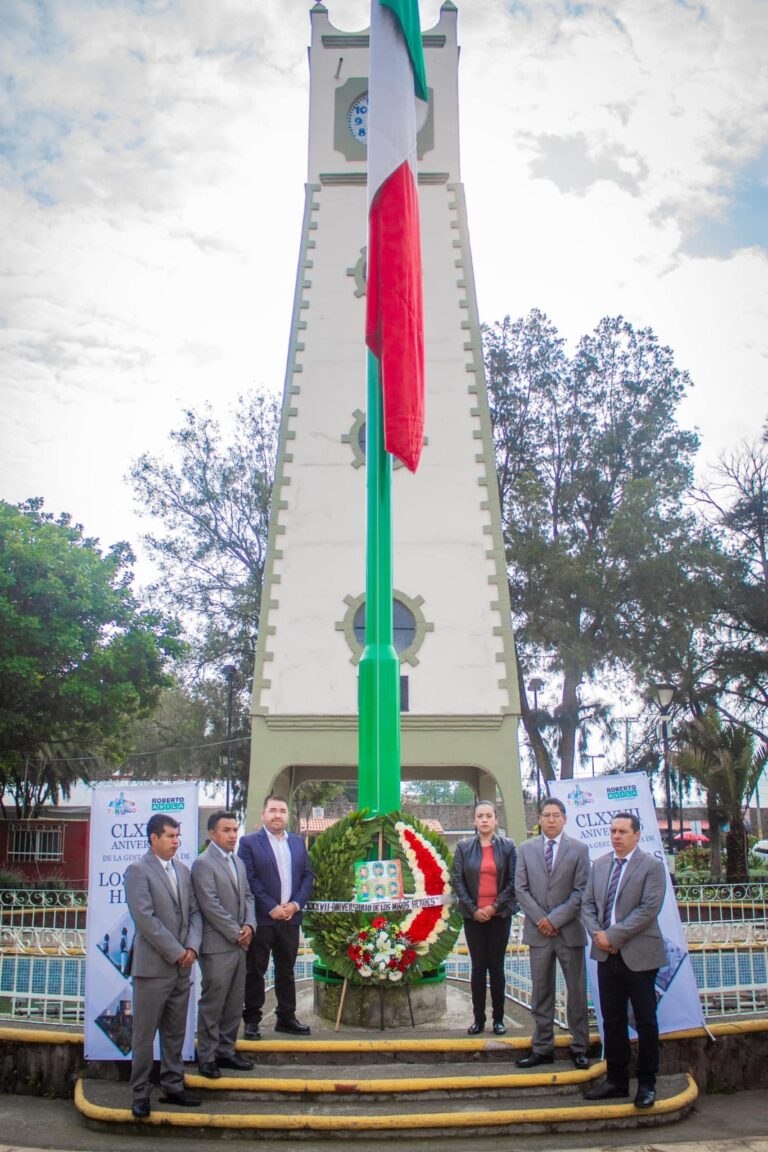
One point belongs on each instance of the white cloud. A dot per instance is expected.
(152, 191)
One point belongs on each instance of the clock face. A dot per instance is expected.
(357, 118)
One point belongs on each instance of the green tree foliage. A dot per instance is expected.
(213, 502)
(313, 794)
(185, 737)
(724, 760)
(439, 792)
(79, 657)
(605, 561)
(736, 504)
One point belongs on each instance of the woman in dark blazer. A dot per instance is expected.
(484, 882)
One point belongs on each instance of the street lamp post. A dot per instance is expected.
(228, 671)
(535, 685)
(592, 757)
(664, 694)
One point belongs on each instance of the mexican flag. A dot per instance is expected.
(394, 327)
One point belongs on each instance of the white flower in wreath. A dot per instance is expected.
(364, 970)
(382, 940)
(395, 975)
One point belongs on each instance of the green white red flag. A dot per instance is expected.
(394, 328)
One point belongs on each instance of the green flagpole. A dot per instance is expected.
(379, 683)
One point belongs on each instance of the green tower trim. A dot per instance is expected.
(486, 456)
(284, 457)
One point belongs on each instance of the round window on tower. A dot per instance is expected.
(403, 626)
(409, 626)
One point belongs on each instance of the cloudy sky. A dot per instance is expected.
(152, 160)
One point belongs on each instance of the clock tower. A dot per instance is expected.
(459, 694)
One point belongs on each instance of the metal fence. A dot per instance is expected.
(42, 953)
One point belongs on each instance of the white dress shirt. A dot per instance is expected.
(282, 851)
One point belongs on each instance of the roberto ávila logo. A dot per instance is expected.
(167, 803)
(623, 792)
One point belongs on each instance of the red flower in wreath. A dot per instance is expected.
(379, 922)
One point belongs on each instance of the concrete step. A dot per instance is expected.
(371, 1082)
(440, 1047)
(239, 1112)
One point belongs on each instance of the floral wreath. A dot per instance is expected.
(361, 946)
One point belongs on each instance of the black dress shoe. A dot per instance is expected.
(580, 1060)
(606, 1091)
(240, 1063)
(140, 1108)
(252, 1032)
(184, 1099)
(475, 1029)
(645, 1098)
(499, 1028)
(533, 1059)
(209, 1069)
(295, 1027)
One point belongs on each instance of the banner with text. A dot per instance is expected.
(591, 804)
(118, 836)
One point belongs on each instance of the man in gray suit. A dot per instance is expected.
(229, 922)
(550, 879)
(624, 895)
(158, 890)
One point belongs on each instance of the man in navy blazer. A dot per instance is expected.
(280, 876)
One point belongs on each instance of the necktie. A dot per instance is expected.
(173, 878)
(610, 896)
(549, 855)
(233, 870)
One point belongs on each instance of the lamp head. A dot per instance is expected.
(664, 694)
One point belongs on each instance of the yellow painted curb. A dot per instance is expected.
(462, 1044)
(343, 1087)
(450, 1044)
(725, 1028)
(476, 1119)
(41, 1036)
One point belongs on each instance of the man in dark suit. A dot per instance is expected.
(624, 895)
(280, 878)
(550, 879)
(161, 900)
(229, 922)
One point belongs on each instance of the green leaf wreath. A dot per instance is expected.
(334, 855)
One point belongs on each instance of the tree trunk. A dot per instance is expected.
(568, 714)
(736, 871)
(715, 858)
(532, 731)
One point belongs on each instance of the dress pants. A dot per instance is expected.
(487, 944)
(159, 1002)
(543, 959)
(221, 1003)
(282, 940)
(619, 987)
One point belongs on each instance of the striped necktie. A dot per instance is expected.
(549, 855)
(610, 896)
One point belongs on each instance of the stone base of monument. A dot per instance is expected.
(380, 1006)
